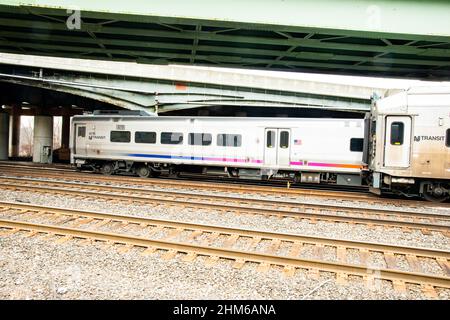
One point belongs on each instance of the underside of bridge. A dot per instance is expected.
(409, 39)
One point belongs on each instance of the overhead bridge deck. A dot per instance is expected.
(409, 39)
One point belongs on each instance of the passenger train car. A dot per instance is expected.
(410, 143)
(302, 150)
(402, 146)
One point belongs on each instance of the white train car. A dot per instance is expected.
(301, 150)
(410, 143)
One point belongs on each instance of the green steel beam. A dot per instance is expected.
(384, 38)
(211, 36)
(419, 17)
(260, 52)
(212, 58)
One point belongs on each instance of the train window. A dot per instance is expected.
(284, 139)
(229, 140)
(397, 132)
(171, 138)
(144, 137)
(120, 136)
(270, 139)
(447, 138)
(356, 144)
(200, 139)
(82, 132)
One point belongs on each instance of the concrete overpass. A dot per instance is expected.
(378, 37)
(161, 89)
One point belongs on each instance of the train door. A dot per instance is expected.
(80, 139)
(277, 147)
(397, 143)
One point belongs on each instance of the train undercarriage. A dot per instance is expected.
(431, 190)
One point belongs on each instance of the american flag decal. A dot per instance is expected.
(298, 142)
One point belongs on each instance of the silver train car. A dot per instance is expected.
(409, 143)
(301, 150)
(402, 146)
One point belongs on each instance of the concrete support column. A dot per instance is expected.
(4, 135)
(15, 131)
(65, 132)
(43, 139)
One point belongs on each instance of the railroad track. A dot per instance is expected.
(241, 246)
(349, 197)
(406, 220)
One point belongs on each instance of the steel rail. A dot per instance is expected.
(237, 255)
(218, 185)
(227, 187)
(238, 209)
(286, 204)
(264, 235)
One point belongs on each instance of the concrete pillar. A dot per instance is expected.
(15, 131)
(65, 132)
(43, 139)
(4, 135)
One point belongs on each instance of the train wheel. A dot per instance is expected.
(107, 169)
(435, 193)
(143, 171)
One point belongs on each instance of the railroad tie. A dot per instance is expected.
(263, 267)
(212, 260)
(254, 242)
(210, 239)
(170, 254)
(63, 239)
(444, 264)
(391, 260)
(399, 286)
(413, 263)
(406, 229)
(189, 257)
(148, 251)
(341, 278)
(274, 246)
(318, 251)
(155, 230)
(49, 236)
(125, 248)
(87, 241)
(295, 250)
(102, 223)
(173, 233)
(194, 235)
(314, 273)
(230, 241)
(106, 245)
(341, 253)
(31, 234)
(429, 291)
(288, 271)
(238, 264)
(369, 281)
(364, 257)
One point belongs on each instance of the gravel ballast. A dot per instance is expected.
(344, 231)
(32, 268)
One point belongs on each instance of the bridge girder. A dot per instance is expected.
(381, 38)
